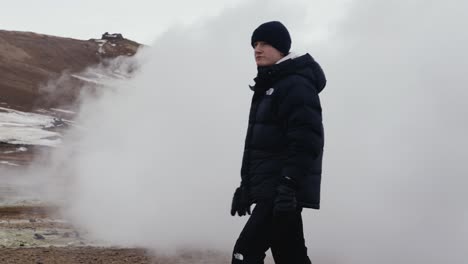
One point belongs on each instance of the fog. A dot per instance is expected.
(394, 107)
(157, 157)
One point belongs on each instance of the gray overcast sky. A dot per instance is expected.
(140, 20)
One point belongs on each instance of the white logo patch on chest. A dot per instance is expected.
(238, 256)
(270, 91)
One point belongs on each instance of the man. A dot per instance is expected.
(282, 162)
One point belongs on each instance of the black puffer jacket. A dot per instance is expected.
(285, 135)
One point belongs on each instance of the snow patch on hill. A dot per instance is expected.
(17, 127)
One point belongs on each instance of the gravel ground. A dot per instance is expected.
(97, 255)
(74, 255)
(29, 235)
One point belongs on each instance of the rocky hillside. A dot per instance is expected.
(41, 77)
(29, 60)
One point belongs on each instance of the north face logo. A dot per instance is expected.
(238, 256)
(270, 91)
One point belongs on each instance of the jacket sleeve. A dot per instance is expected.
(244, 168)
(299, 108)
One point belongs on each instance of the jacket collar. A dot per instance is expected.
(291, 55)
(266, 75)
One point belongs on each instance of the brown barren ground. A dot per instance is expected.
(34, 219)
(77, 255)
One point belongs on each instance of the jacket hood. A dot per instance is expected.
(304, 66)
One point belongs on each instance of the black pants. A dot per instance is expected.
(282, 233)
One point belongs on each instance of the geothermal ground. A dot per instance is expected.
(31, 232)
(34, 231)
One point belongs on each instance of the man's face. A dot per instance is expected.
(265, 54)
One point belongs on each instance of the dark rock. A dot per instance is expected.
(51, 233)
(39, 236)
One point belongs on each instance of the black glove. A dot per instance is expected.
(240, 202)
(285, 201)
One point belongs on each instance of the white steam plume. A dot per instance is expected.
(159, 158)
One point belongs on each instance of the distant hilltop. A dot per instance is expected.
(113, 36)
(28, 60)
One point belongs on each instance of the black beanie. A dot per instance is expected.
(275, 34)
